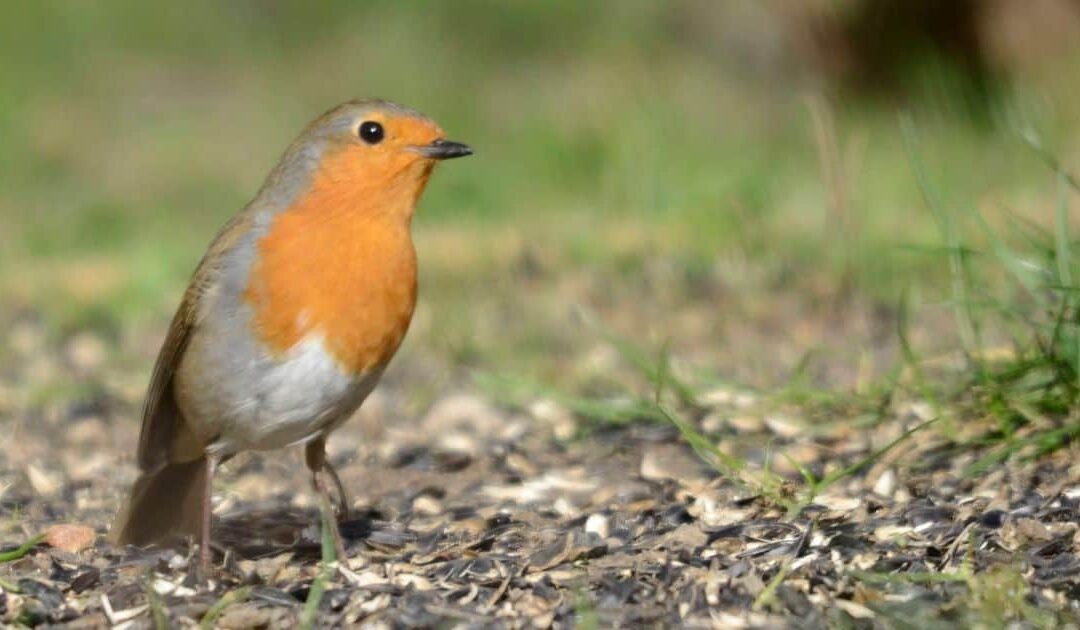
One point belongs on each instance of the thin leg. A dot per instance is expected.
(343, 497)
(315, 458)
(318, 478)
(204, 541)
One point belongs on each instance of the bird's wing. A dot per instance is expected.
(160, 416)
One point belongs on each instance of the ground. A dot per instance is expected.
(700, 341)
(478, 512)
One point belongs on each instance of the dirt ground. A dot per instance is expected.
(472, 514)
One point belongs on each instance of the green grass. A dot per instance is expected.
(235, 596)
(22, 550)
(309, 614)
(993, 598)
(1031, 390)
(158, 615)
(1011, 281)
(131, 135)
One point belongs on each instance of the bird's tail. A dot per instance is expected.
(165, 502)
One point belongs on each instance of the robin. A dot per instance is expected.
(290, 318)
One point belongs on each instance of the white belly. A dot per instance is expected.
(250, 401)
(297, 399)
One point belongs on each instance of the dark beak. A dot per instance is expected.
(444, 150)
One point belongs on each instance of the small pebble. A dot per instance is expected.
(425, 505)
(45, 483)
(598, 524)
(992, 519)
(69, 537)
(885, 484)
(86, 351)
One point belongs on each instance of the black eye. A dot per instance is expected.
(371, 132)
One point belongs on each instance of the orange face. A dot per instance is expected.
(383, 148)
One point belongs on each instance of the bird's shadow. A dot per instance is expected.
(261, 533)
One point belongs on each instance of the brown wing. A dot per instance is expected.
(161, 419)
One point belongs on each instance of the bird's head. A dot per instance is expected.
(371, 148)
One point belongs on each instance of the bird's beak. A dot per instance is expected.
(444, 150)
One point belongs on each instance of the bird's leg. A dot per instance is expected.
(343, 497)
(316, 452)
(315, 457)
(204, 540)
(328, 512)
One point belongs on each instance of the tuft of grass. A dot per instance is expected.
(681, 407)
(762, 480)
(994, 598)
(1021, 282)
(1003, 593)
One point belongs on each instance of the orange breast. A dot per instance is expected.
(340, 263)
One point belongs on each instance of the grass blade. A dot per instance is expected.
(228, 599)
(22, 549)
(1035, 144)
(153, 600)
(1061, 234)
(1063, 257)
(965, 323)
(310, 613)
(873, 457)
(767, 597)
(1029, 275)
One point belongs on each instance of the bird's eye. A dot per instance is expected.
(370, 132)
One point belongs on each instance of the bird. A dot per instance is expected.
(289, 319)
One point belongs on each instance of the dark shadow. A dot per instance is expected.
(260, 533)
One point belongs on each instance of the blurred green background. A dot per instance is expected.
(686, 171)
